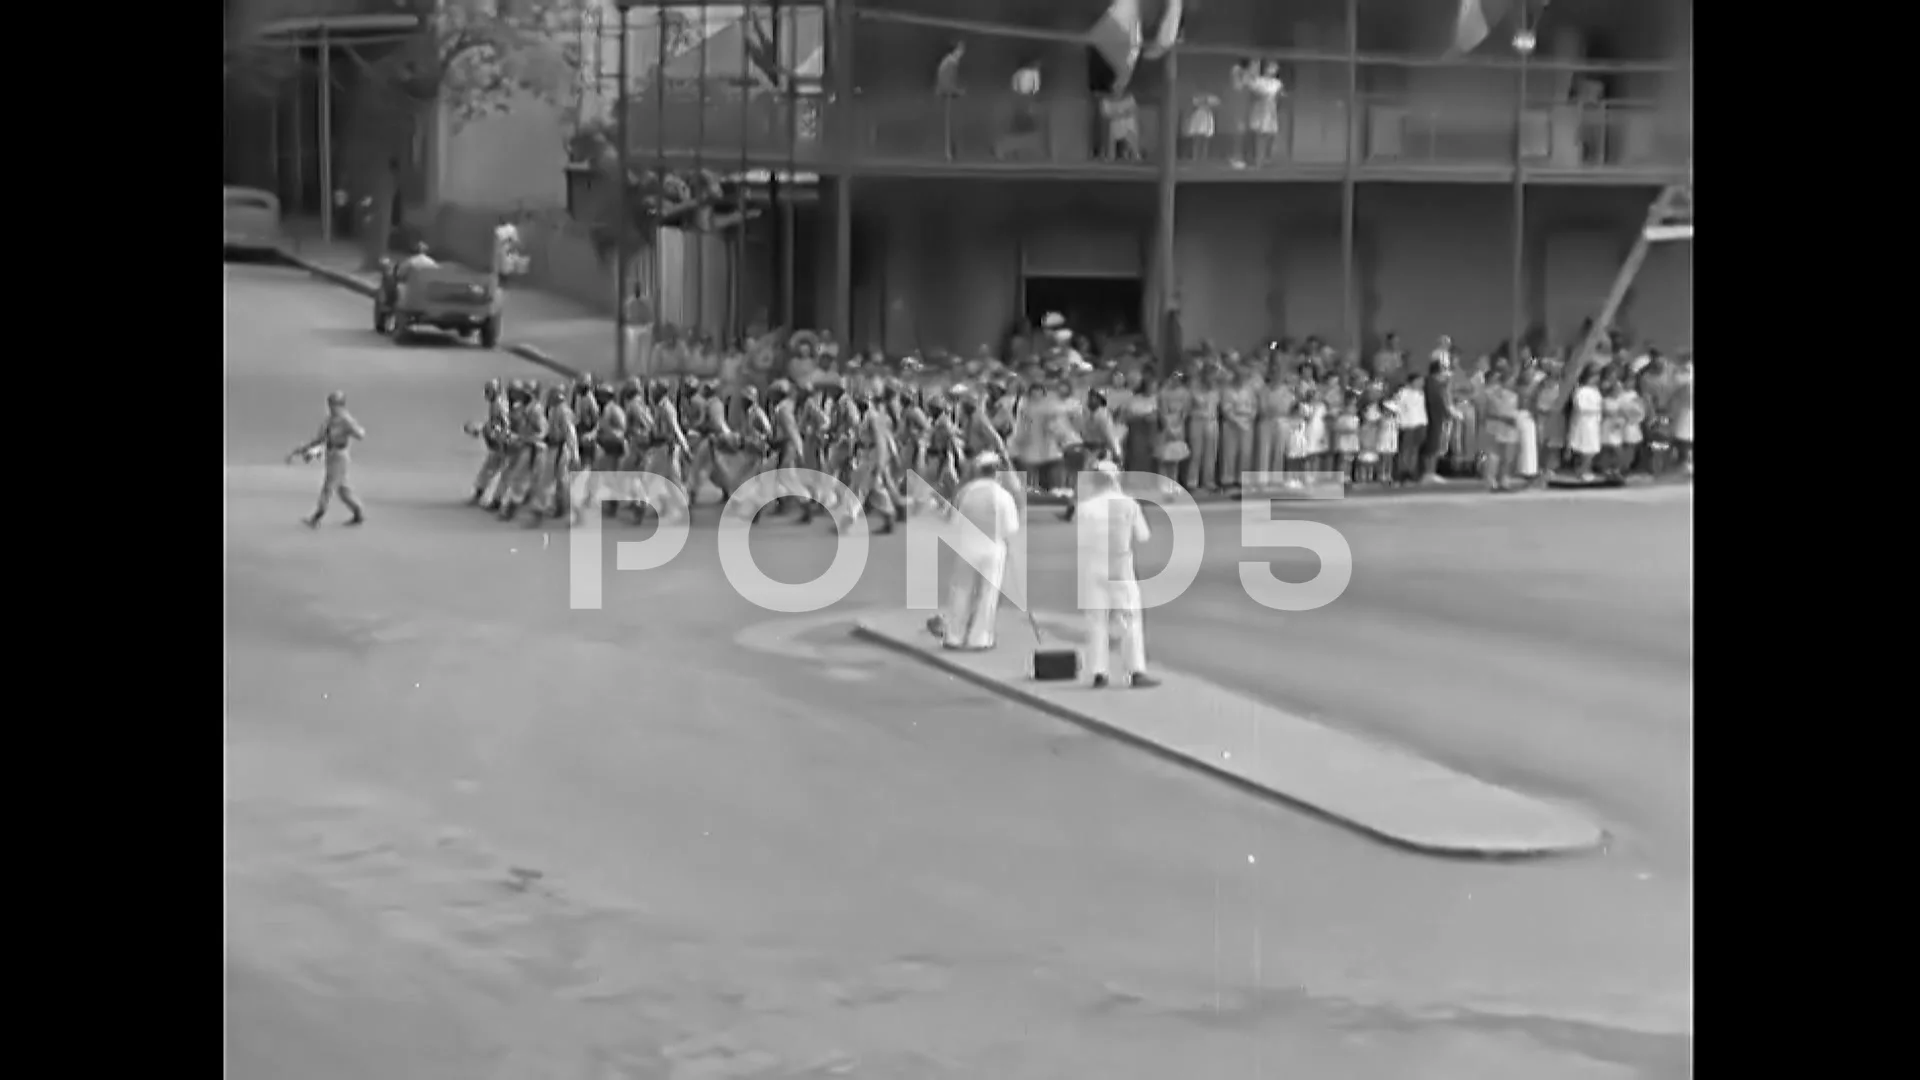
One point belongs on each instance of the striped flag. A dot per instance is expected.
(1169, 31)
(1120, 34)
(1474, 20)
(1116, 36)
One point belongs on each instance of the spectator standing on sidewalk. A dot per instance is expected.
(1502, 408)
(1108, 526)
(1583, 423)
(1409, 407)
(1439, 411)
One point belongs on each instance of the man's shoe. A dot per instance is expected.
(311, 521)
(1144, 681)
(1099, 682)
(357, 519)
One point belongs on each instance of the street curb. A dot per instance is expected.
(1100, 727)
(336, 277)
(345, 280)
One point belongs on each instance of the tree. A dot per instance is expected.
(699, 200)
(470, 59)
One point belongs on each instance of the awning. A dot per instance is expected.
(343, 28)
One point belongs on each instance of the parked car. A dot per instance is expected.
(253, 222)
(452, 298)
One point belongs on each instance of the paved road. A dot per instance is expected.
(474, 834)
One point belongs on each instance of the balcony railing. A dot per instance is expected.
(1571, 137)
(1398, 134)
(901, 129)
(723, 124)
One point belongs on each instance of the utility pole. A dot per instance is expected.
(1523, 43)
(326, 137)
(624, 219)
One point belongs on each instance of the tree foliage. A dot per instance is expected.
(697, 199)
(475, 57)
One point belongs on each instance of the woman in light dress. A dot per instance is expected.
(1200, 126)
(1680, 406)
(1526, 463)
(1263, 113)
(1583, 429)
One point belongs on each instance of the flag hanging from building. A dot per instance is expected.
(1119, 34)
(1169, 32)
(1116, 37)
(1473, 21)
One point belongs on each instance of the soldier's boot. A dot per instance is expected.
(312, 521)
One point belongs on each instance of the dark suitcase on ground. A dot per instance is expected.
(1052, 665)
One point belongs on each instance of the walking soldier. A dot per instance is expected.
(336, 435)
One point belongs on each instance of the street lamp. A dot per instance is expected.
(624, 219)
(1523, 44)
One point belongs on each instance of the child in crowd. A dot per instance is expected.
(1318, 446)
(1613, 430)
(1346, 440)
(1526, 462)
(1633, 415)
(1371, 419)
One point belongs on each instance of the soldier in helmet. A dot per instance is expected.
(634, 401)
(609, 442)
(665, 458)
(492, 432)
(337, 434)
(563, 457)
(531, 458)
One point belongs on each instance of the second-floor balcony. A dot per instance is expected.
(1399, 136)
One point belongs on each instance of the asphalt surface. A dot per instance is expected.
(473, 833)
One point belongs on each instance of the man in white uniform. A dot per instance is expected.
(973, 596)
(1109, 524)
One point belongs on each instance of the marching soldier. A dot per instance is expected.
(609, 447)
(531, 458)
(668, 452)
(786, 445)
(640, 441)
(336, 436)
(874, 454)
(563, 457)
(816, 430)
(755, 439)
(944, 440)
(492, 432)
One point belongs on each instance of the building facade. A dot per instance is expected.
(1384, 198)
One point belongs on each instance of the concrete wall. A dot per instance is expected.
(1262, 261)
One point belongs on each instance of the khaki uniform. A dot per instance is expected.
(337, 435)
(1203, 439)
(530, 457)
(494, 431)
(1239, 407)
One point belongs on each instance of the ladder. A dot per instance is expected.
(1670, 218)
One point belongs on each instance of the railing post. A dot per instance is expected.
(1349, 188)
(1169, 139)
(846, 142)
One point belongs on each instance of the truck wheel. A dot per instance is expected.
(490, 334)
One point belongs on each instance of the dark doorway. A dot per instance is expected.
(1094, 306)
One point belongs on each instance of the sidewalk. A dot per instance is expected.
(1376, 789)
(552, 331)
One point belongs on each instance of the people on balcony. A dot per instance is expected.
(1264, 90)
(1200, 126)
(1122, 142)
